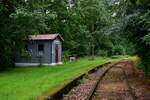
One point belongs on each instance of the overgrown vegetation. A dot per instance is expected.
(97, 27)
(132, 21)
(136, 19)
(17, 21)
(84, 24)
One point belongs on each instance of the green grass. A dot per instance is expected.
(28, 83)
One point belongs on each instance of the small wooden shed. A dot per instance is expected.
(45, 49)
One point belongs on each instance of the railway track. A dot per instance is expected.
(107, 83)
(63, 92)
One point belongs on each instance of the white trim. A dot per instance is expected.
(59, 63)
(53, 64)
(61, 37)
(35, 64)
(26, 64)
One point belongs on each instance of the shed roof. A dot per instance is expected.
(45, 37)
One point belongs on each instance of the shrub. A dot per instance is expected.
(103, 53)
(65, 56)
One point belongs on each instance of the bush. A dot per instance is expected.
(65, 56)
(103, 53)
(118, 50)
(6, 58)
(139, 27)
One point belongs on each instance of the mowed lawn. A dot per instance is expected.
(28, 83)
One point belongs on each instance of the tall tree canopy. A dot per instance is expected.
(138, 25)
(17, 21)
(84, 24)
(134, 19)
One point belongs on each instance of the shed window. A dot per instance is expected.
(40, 50)
(40, 47)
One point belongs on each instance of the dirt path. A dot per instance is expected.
(123, 82)
(139, 82)
(113, 86)
(117, 81)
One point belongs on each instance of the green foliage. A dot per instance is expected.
(65, 56)
(118, 50)
(17, 22)
(25, 54)
(102, 53)
(137, 18)
(85, 25)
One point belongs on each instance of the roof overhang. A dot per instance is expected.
(41, 37)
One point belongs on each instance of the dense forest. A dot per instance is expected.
(89, 27)
(136, 21)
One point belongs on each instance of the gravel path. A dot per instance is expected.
(113, 86)
(139, 82)
(82, 91)
(122, 82)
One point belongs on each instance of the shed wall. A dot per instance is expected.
(33, 49)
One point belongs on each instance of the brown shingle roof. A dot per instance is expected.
(45, 37)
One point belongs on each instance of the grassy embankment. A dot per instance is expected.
(28, 83)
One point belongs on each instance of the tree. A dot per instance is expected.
(17, 22)
(84, 24)
(135, 16)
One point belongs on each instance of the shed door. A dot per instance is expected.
(56, 53)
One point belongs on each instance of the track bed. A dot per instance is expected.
(114, 86)
(117, 81)
(87, 85)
